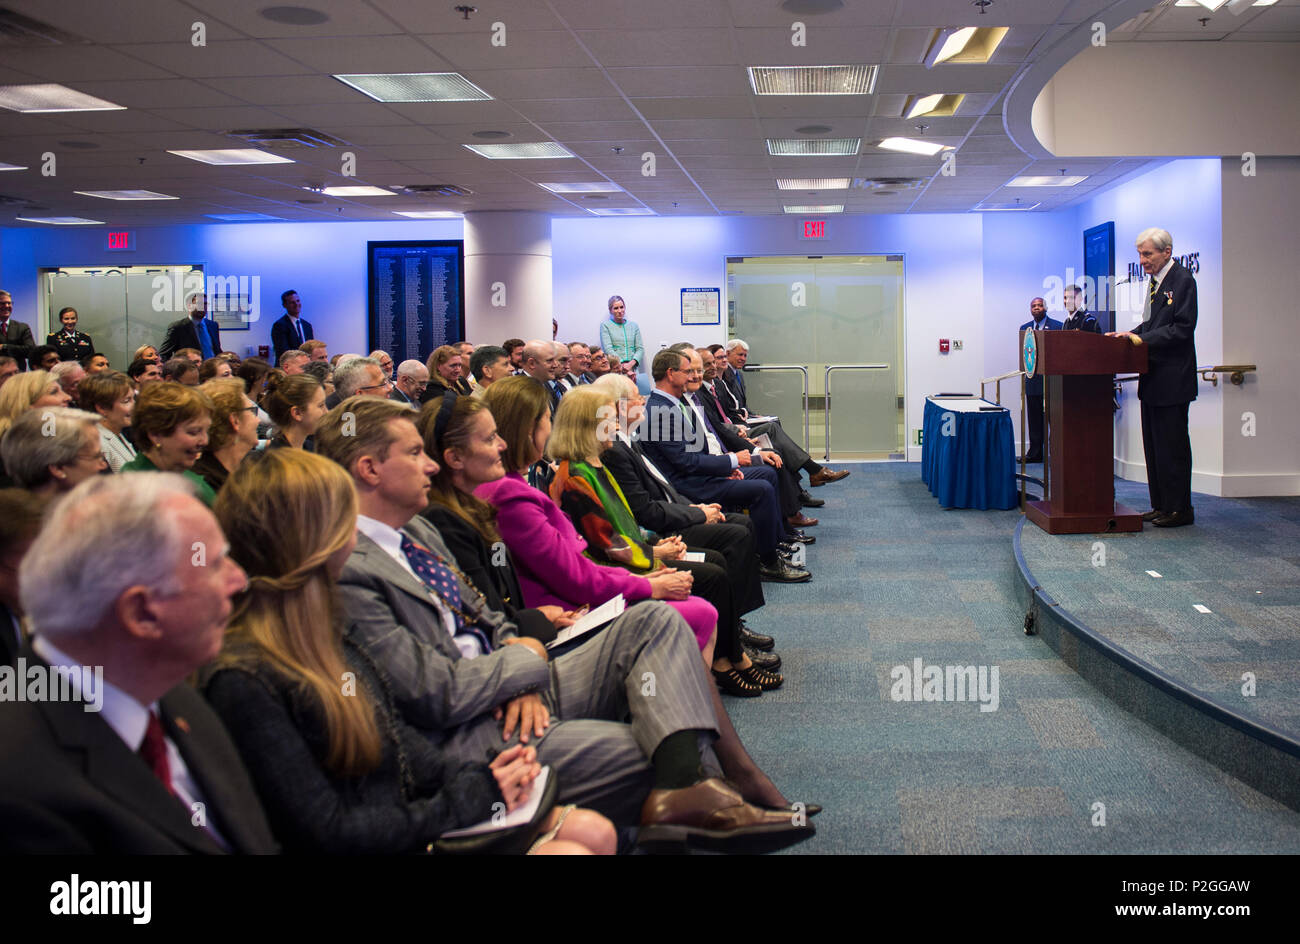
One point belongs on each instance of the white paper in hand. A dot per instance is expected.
(610, 610)
(516, 817)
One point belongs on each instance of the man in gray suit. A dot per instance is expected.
(460, 671)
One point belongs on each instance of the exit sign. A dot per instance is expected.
(814, 229)
(120, 241)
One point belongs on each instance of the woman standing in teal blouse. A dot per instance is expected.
(622, 339)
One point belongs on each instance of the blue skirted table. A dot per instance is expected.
(968, 453)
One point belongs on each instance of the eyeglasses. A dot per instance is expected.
(245, 409)
(96, 457)
(378, 386)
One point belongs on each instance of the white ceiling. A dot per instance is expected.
(664, 76)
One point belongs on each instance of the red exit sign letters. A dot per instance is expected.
(814, 229)
(120, 241)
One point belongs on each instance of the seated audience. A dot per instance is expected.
(487, 364)
(384, 361)
(294, 361)
(316, 350)
(110, 582)
(110, 395)
(459, 670)
(193, 353)
(21, 514)
(233, 432)
(146, 352)
(171, 425)
(445, 367)
(514, 348)
(43, 357)
(548, 552)
(52, 449)
(599, 363)
(323, 373)
(337, 767)
(8, 367)
(68, 374)
(412, 380)
(357, 376)
(296, 404)
(253, 371)
(213, 368)
(95, 363)
(591, 499)
(21, 393)
(182, 371)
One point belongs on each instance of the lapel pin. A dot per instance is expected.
(181, 725)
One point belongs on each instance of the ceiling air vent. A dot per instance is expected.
(19, 30)
(436, 190)
(287, 138)
(888, 184)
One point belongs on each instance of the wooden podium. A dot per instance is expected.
(1079, 370)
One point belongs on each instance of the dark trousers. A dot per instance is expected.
(712, 584)
(1168, 448)
(757, 492)
(735, 542)
(792, 454)
(1034, 411)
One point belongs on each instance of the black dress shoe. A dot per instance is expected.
(800, 537)
(1152, 515)
(756, 640)
(783, 572)
(1032, 457)
(1175, 519)
(809, 502)
(764, 660)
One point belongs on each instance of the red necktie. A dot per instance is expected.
(713, 393)
(154, 751)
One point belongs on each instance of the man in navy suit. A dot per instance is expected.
(1168, 387)
(1034, 387)
(196, 331)
(15, 337)
(290, 330)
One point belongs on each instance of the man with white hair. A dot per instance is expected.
(69, 374)
(294, 361)
(133, 761)
(357, 375)
(1168, 387)
(384, 361)
(412, 380)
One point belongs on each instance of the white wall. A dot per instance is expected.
(648, 262)
(1183, 197)
(325, 262)
(1261, 327)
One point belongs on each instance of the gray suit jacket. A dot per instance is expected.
(395, 620)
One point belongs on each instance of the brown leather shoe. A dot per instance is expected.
(712, 813)
(827, 475)
(801, 521)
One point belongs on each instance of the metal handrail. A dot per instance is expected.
(829, 368)
(804, 371)
(997, 384)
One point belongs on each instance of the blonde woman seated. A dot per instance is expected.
(171, 423)
(21, 392)
(335, 765)
(547, 551)
(233, 432)
(53, 449)
(585, 426)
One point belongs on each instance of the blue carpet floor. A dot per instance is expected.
(898, 578)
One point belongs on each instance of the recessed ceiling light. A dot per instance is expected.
(813, 129)
(1047, 181)
(812, 80)
(492, 135)
(536, 150)
(61, 220)
(125, 194)
(357, 191)
(241, 217)
(938, 106)
(811, 7)
(233, 156)
(1008, 206)
(295, 16)
(430, 214)
(598, 187)
(417, 87)
(913, 146)
(12, 167)
(39, 99)
(822, 147)
(621, 211)
(967, 44)
(814, 183)
(826, 208)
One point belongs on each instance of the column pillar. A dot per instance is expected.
(507, 276)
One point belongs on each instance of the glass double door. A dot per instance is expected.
(844, 313)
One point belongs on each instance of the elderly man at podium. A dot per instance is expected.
(1168, 387)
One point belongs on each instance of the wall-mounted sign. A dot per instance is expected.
(120, 241)
(813, 229)
(701, 306)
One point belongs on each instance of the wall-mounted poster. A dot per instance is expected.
(416, 296)
(701, 306)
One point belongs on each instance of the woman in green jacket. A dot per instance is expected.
(171, 424)
(621, 339)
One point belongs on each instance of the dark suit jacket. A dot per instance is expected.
(285, 338)
(9, 644)
(18, 343)
(80, 346)
(736, 384)
(678, 450)
(1034, 386)
(1171, 353)
(397, 395)
(79, 789)
(722, 426)
(655, 506)
(181, 334)
(1081, 321)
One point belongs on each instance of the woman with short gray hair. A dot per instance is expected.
(53, 449)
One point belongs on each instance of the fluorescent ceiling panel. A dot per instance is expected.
(11, 167)
(51, 97)
(233, 156)
(813, 147)
(241, 217)
(913, 146)
(601, 187)
(532, 151)
(429, 214)
(62, 220)
(1059, 181)
(417, 87)
(828, 208)
(814, 183)
(125, 194)
(622, 211)
(357, 191)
